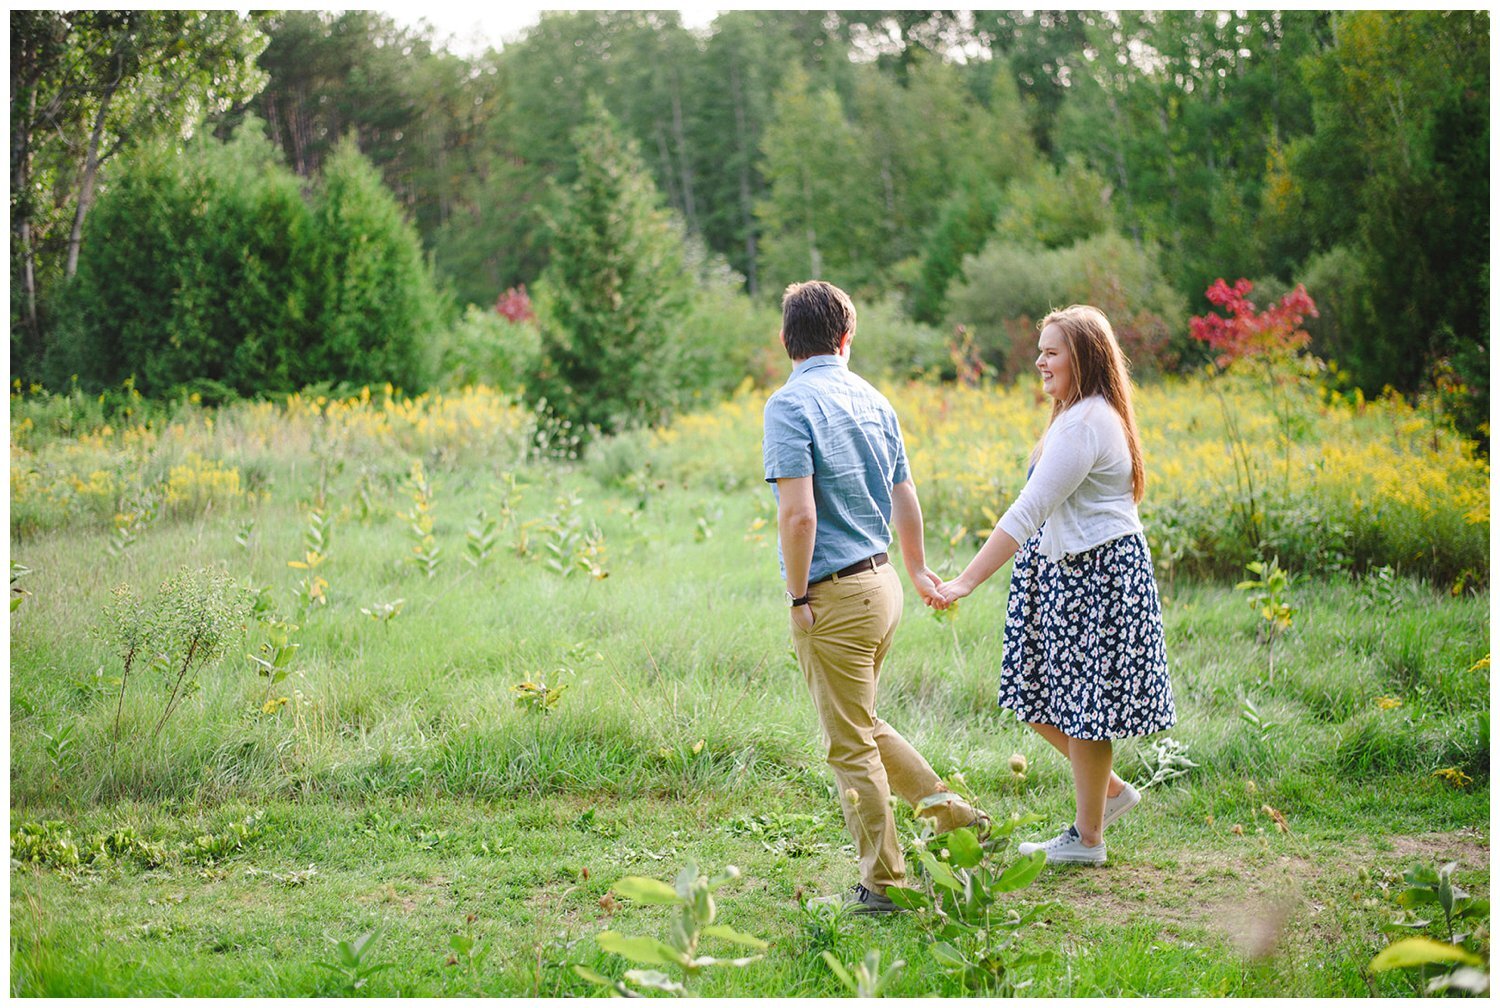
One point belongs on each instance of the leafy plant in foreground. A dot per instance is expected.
(480, 539)
(692, 895)
(969, 932)
(313, 588)
(383, 612)
(469, 952)
(1168, 761)
(824, 926)
(1459, 965)
(571, 546)
(274, 658)
(1252, 716)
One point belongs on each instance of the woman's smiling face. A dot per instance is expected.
(1055, 362)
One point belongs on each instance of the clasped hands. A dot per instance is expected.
(936, 592)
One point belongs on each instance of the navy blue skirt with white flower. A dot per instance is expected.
(1084, 648)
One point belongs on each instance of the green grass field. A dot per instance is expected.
(402, 787)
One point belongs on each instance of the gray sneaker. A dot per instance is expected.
(858, 899)
(1066, 848)
(1121, 803)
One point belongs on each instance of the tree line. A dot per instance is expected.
(964, 171)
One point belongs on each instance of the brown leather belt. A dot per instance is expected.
(867, 564)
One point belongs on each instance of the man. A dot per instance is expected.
(833, 453)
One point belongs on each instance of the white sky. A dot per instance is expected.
(472, 28)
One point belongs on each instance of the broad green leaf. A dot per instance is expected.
(685, 880)
(641, 949)
(1016, 821)
(1420, 951)
(1416, 897)
(593, 977)
(963, 848)
(941, 873)
(908, 898)
(949, 956)
(645, 890)
(1475, 908)
(1445, 890)
(729, 934)
(1022, 872)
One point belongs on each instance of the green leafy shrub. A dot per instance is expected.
(1009, 285)
(485, 348)
(179, 633)
(1459, 962)
(692, 895)
(205, 269)
(970, 931)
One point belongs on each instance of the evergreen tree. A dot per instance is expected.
(822, 215)
(198, 268)
(612, 291)
(379, 312)
(207, 265)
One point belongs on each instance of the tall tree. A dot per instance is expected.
(744, 59)
(87, 85)
(822, 213)
(1397, 170)
(612, 290)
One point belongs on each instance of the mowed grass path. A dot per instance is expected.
(402, 788)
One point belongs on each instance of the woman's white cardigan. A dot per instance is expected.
(1079, 493)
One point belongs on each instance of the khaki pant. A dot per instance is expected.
(854, 621)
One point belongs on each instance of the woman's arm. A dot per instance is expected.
(1068, 455)
(997, 549)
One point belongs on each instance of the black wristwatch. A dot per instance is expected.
(793, 601)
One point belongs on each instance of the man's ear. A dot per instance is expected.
(844, 344)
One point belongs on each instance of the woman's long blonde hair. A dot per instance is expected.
(1099, 368)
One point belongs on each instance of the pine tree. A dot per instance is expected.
(380, 309)
(614, 290)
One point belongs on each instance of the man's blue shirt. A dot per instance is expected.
(829, 423)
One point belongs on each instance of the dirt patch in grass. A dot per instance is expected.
(1257, 899)
(1469, 847)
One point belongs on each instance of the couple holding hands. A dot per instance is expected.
(1084, 661)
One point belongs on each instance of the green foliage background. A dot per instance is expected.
(1346, 150)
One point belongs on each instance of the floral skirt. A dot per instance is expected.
(1084, 648)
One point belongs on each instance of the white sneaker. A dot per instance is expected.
(1121, 803)
(1066, 848)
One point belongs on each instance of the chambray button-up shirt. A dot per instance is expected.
(829, 423)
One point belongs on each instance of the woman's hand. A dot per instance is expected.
(951, 591)
(802, 616)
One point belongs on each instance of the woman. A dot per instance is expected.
(1084, 661)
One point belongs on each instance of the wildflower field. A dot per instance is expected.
(391, 695)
